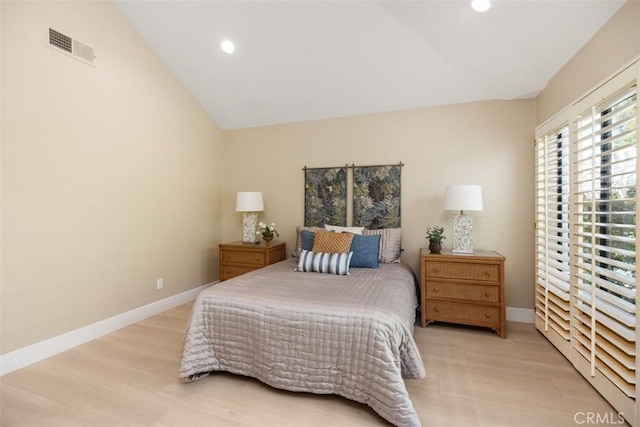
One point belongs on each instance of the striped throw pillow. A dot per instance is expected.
(390, 249)
(331, 242)
(321, 262)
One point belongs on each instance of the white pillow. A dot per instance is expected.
(339, 229)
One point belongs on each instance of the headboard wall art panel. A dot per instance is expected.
(375, 196)
(325, 196)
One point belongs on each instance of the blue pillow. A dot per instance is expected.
(307, 239)
(365, 251)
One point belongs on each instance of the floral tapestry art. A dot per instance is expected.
(376, 197)
(325, 196)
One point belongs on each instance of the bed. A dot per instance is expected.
(350, 335)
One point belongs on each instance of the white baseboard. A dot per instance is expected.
(524, 315)
(39, 351)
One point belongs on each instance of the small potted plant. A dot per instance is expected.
(268, 232)
(435, 235)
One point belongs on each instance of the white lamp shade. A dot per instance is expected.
(249, 201)
(463, 198)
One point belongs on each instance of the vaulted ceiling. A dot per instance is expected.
(308, 60)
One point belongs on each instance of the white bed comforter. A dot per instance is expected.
(312, 332)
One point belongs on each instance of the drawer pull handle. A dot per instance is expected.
(487, 294)
(487, 315)
(435, 290)
(257, 258)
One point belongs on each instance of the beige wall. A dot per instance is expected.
(111, 176)
(613, 47)
(486, 143)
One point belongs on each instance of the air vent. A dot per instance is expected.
(60, 41)
(69, 46)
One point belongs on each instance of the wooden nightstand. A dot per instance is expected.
(466, 289)
(237, 258)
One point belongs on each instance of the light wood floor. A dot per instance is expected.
(129, 378)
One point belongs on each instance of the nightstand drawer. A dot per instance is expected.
(459, 313)
(457, 291)
(227, 272)
(237, 258)
(248, 258)
(465, 271)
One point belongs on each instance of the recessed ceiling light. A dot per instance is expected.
(227, 46)
(481, 5)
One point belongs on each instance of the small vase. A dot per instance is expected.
(435, 248)
(267, 239)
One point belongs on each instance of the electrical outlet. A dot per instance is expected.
(159, 284)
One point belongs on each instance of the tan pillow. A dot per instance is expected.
(331, 242)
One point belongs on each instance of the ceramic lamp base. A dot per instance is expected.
(249, 224)
(462, 234)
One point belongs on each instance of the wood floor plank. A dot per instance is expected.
(60, 415)
(18, 405)
(101, 399)
(130, 378)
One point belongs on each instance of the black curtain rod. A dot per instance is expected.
(352, 166)
(331, 167)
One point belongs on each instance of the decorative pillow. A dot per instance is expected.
(299, 228)
(337, 263)
(330, 242)
(339, 229)
(389, 243)
(307, 239)
(365, 251)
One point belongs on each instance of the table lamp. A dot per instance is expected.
(249, 202)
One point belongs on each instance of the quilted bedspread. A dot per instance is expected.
(313, 332)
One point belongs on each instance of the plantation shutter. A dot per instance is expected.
(552, 240)
(586, 167)
(605, 149)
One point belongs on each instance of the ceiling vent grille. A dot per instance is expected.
(68, 45)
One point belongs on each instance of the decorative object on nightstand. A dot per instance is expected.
(463, 198)
(465, 289)
(435, 235)
(237, 258)
(268, 232)
(249, 202)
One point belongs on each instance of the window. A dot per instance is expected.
(605, 245)
(552, 232)
(585, 241)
